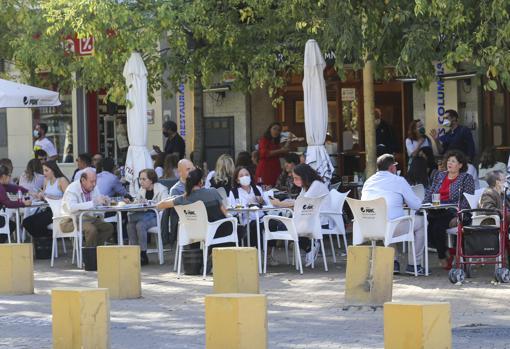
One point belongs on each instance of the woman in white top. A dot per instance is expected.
(55, 184)
(488, 163)
(141, 222)
(312, 186)
(32, 178)
(416, 138)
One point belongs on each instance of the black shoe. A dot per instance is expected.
(144, 259)
(396, 268)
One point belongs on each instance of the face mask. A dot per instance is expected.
(36, 134)
(446, 123)
(377, 122)
(245, 180)
(421, 130)
(166, 134)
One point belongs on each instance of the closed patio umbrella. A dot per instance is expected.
(316, 111)
(138, 157)
(16, 95)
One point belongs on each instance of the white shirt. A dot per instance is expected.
(411, 145)
(46, 145)
(245, 199)
(394, 189)
(210, 175)
(34, 185)
(159, 171)
(78, 173)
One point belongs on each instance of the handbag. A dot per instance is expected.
(480, 240)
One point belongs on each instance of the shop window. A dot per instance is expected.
(60, 126)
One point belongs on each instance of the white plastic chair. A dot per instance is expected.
(195, 227)
(159, 242)
(473, 199)
(371, 223)
(5, 230)
(332, 210)
(58, 234)
(305, 221)
(335, 186)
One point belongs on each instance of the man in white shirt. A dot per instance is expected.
(396, 191)
(44, 143)
(83, 195)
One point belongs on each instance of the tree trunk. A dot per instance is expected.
(198, 111)
(369, 102)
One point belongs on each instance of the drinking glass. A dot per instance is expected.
(436, 199)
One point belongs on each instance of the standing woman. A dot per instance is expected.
(270, 151)
(55, 184)
(140, 222)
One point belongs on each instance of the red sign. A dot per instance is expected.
(79, 47)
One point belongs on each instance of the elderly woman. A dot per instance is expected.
(140, 222)
(450, 185)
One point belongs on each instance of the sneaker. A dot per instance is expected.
(420, 269)
(396, 267)
(144, 259)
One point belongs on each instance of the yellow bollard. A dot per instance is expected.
(236, 321)
(421, 325)
(81, 318)
(369, 275)
(235, 270)
(16, 269)
(118, 270)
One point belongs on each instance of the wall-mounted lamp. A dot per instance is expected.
(217, 89)
(457, 75)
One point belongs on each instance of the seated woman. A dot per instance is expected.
(5, 201)
(140, 222)
(312, 186)
(32, 178)
(450, 185)
(244, 159)
(221, 177)
(212, 200)
(159, 163)
(170, 166)
(55, 184)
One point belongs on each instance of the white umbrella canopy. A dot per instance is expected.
(16, 95)
(138, 157)
(316, 111)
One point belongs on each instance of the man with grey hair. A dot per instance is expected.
(492, 197)
(396, 191)
(82, 195)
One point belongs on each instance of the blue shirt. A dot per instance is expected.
(460, 139)
(109, 184)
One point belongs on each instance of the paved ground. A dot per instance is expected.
(304, 311)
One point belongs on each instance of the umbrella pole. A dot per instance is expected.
(368, 103)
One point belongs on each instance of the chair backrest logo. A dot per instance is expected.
(367, 210)
(307, 207)
(189, 213)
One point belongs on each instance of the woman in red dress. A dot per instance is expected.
(270, 151)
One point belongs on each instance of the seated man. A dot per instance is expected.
(285, 181)
(84, 162)
(82, 195)
(108, 183)
(395, 190)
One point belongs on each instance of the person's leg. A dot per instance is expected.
(165, 228)
(419, 240)
(437, 232)
(133, 219)
(37, 224)
(104, 232)
(147, 221)
(90, 233)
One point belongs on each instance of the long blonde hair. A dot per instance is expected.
(224, 169)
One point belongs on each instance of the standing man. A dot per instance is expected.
(82, 195)
(174, 142)
(457, 136)
(396, 191)
(184, 167)
(385, 140)
(41, 142)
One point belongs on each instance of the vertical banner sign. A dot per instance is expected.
(440, 97)
(182, 111)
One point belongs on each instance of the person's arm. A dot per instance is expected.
(73, 204)
(5, 201)
(410, 197)
(62, 184)
(282, 204)
(118, 188)
(167, 203)
(13, 188)
(435, 138)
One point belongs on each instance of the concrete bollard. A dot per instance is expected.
(236, 321)
(235, 270)
(118, 270)
(367, 284)
(81, 318)
(421, 325)
(16, 269)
